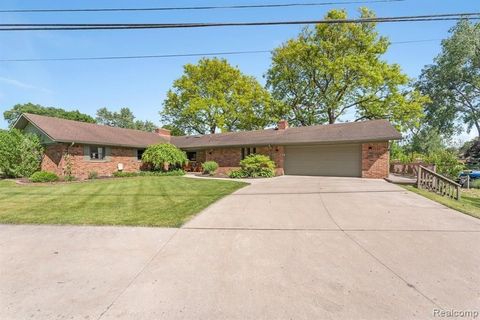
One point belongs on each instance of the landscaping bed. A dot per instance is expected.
(137, 201)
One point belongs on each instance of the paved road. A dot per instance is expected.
(285, 248)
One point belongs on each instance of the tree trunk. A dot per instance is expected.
(166, 166)
(331, 117)
(477, 125)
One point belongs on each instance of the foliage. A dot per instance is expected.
(142, 201)
(255, 166)
(209, 167)
(175, 172)
(43, 176)
(333, 69)
(20, 154)
(238, 174)
(174, 131)
(425, 140)
(92, 175)
(12, 115)
(213, 95)
(446, 162)
(68, 167)
(123, 119)
(163, 156)
(453, 81)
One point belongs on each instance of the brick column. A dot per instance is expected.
(375, 160)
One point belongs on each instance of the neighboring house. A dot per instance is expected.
(355, 149)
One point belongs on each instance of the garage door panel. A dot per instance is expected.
(324, 160)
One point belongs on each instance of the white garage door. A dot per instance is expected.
(342, 160)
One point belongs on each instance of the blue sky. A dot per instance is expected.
(142, 84)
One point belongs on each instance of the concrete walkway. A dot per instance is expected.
(283, 248)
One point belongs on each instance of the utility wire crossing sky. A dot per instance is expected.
(116, 26)
(257, 6)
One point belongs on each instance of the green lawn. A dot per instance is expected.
(142, 201)
(469, 202)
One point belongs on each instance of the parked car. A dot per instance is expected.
(473, 174)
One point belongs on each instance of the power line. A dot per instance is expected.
(142, 56)
(224, 53)
(277, 5)
(118, 26)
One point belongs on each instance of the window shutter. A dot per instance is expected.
(108, 153)
(86, 153)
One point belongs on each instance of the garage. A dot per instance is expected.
(340, 160)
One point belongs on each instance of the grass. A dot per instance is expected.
(141, 201)
(469, 202)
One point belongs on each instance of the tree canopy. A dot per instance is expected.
(213, 95)
(334, 69)
(453, 81)
(163, 156)
(20, 154)
(12, 115)
(123, 119)
(174, 131)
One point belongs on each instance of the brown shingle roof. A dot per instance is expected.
(61, 130)
(373, 130)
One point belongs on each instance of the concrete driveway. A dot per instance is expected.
(284, 248)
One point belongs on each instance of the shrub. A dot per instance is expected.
(164, 156)
(176, 172)
(43, 176)
(92, 175)
(446, 163)
(210, 167)
(20, 154)
(258, 165)
(237, 174)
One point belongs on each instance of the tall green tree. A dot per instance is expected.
(214, 96)
(123, 119)
(453, 81)
(174, 131)
(334, 69)
(12, 115)
(20, 154)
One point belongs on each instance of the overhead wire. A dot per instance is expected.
(248, 6)
(118, 26)
(179, 55)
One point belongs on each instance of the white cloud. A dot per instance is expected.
(23, 85)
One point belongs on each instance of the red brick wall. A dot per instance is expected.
(375, 160)
(229, 159)
(54, 161)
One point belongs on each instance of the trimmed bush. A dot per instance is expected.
(43, 176)
(176, 172)
(210, 167)
(237, 174)
(258, 165)
(164, 156)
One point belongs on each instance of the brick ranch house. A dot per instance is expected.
(356, 149)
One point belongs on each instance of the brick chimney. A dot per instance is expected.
(164, 133)
(282, 125)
